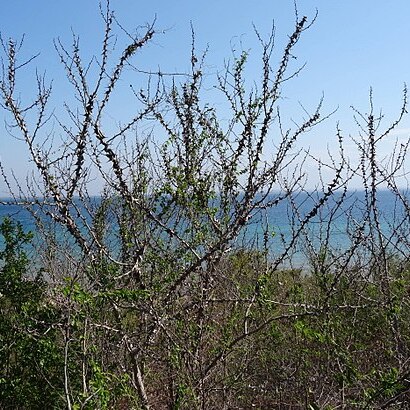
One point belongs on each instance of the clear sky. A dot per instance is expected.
(354, 45)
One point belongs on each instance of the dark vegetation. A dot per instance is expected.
(152, 297)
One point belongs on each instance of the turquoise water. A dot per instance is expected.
(276, 226)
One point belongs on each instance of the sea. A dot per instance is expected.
(335, 225)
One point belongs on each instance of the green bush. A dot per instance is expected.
(30, 359)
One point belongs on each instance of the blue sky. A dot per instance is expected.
(354, 45)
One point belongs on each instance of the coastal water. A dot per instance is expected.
(276, 226)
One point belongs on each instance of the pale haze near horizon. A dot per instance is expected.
(353, 45)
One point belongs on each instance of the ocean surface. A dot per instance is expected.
(275, 227)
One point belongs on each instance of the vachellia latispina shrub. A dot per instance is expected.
(168, 289)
